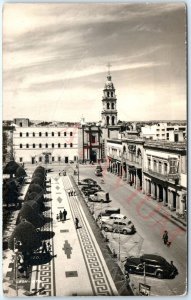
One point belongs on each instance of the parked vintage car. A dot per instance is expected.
(99, 197)
(88, 182)
(91, 191)
(114, 217)
(109, 211)
(154, 265)
(119, 226)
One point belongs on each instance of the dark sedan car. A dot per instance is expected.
(154, 265)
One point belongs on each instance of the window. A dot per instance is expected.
(27, 134)
(21, 134)
(107, 94)
(27, 145)
(58, 133)
(149, 163)
(52, 145)
(21, 159)
(46, 145)
(107, 118)
(40, 133)
(160, 167)
(59, 158)
(46, 133)
(40, 159)
(33, 145)
(165, 168)
(108, 106)
(59, 145)
(167, 136)
(65, 145)
(21, 146)
(176, 137)
(52, 158)
(173, 165)
(71, 144)
(155, 165)
(111, 94)
(71, 133)
(21, 124)
(65, 133)
(40, 145)
(93, 139)
(112, 105)
(33, 133)
(52, 133)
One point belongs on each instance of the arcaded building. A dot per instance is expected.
(157, 168)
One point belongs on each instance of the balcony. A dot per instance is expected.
(164, 177)
(136, 164)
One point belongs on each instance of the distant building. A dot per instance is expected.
(22, 122)
(162, 131)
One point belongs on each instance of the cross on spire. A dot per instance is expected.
(109, 66)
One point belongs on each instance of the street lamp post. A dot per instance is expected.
(144, 273)
(78, 167)
(16, 252)
(119, 255)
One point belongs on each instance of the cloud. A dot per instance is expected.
(53, 51)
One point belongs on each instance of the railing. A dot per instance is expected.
(162, 176)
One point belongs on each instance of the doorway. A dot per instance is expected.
(66, 160)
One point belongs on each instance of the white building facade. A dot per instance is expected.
(163, 131)
(39, 144)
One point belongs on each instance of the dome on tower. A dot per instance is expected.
(109, 83)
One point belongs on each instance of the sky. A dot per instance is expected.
(55, 60)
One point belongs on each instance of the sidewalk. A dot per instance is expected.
(79, 268)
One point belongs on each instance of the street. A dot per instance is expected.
(150, 220)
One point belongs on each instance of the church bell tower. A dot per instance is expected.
(109, 111)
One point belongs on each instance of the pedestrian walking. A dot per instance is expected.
(71, 193)
(64, 214)
(165, 237)
(44, 247)
(74, 192)
(60, 215)
(57, 217)
(77, 223)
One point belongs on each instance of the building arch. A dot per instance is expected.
(107, 120)
(113, 120)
